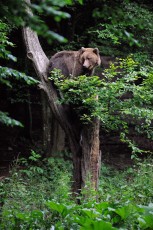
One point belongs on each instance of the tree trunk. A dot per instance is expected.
(91, 154)
(53, 134)
(46, 115)
(85, 148)
(41, 62)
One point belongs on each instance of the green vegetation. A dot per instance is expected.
(21, 17)
(113, 99)
(121, 30)
(37, 195)
(8, 74)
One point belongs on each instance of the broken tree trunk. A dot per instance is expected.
(91, 154)
(84, 144)
(40, 62)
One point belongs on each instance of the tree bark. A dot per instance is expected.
(91, 154)
(85, 148)
(53, 134)
(47, 117)
(41, 62)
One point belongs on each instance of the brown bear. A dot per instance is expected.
(76, 63)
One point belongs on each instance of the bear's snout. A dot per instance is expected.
(86, 64)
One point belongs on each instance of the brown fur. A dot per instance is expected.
(76, 63)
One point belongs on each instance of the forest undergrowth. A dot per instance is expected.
(37, 195)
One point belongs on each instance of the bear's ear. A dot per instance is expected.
(82, 50)
(96, 51)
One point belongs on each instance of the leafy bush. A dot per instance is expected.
(116, 99)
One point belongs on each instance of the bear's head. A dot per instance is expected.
(89, 58)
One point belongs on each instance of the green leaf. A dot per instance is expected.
(97, 225)
(5, 119)
(91, 213)
(6, 72)
(124, 212)
(62, 209)
(146, 222)
(128, 210)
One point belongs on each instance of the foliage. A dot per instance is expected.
(117, 100)
(124, 200)
(55, 171)
(51, 8)
(5, 119)
(131, 185)
(16, 14)
(119, 32)
(117, 27)
(80, 92)
(7, 74)
(102, 215)
(33, 181)
(4, 53)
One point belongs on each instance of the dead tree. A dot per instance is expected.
(83, 140)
